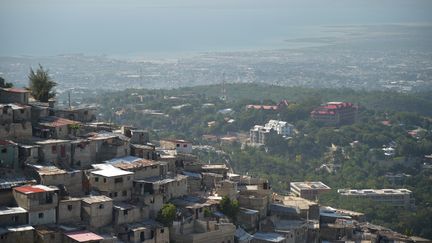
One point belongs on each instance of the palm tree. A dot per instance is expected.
(41, 84)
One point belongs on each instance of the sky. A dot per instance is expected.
(128, 27)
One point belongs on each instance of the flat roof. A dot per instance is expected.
(11, 210)
(309, 185)
(48, 170)
(51, 141)
(53, 121)
(83, 236)
(130, 162)
(270, 237)
(163, 180)
(15, 90)
(35, 189)
(401, 191)
(20, 228)
(214, 166)
(176, 140)
(108, 170)
(96, 199)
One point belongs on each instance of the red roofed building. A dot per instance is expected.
(40, 201)
(55, 127)
(335, 113)
(280, 105)
(14, 95)
(82, 236)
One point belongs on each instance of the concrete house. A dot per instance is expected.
(40, 201)
(81, 114)
(309, 189)
(139, 137)
(97, 211)
(70, 181)
(8, 154)
(111, 181)
(125, 213)
(17, 234)
(55, 151)
(69, 210)
(203, 231)
(169, 187)
(83, 236)
(12, 216)
(109, 145)
(56, 127)
(14, 95)
(145, 232)
(145, 151)
(15, 121)
(179, 145)
(142, 168)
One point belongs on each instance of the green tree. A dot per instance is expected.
(167, 214)
(3, 83)
(41, 84)
(229, 207)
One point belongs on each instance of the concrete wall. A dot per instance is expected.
(21, 115)
(18, 237)
(42, 217)
(9, 156)
(148, 171)
(109, 187)
(72, 180)
(200, 231)
(13, 219)
(69, 211)
(130, 215)
(48, 153)
(96, 215)
(158, 235)
(83, 153)
(6, 114)
(13, 97)
(36, 201)
(16, 130)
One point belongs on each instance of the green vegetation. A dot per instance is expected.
(4, 84)
(167, 214)
(229, 207)
(182, 113)
(41, 85)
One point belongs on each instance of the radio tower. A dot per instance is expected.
(223, 91)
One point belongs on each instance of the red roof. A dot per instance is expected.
(28, 189)
(16, 90)
(53, 121)
(83, 236)
(5, 142)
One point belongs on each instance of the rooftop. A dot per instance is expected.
(163, 180)
(374, 191)
(130, 162)
(269, 237)
(11, 210)
(309, 185)
(83, 236)
(35, 189)
(15, 90)
(96, 199)
(108, 170)
(53, 121)
(175, 140)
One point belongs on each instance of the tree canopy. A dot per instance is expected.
(167, 214)
(41, 84)
(3, 83)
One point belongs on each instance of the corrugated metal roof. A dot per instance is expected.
(83, 236)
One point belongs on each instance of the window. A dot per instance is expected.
(96, 179)
(162, 231)
(178, 145)
(142, 238)
(118, 180)
(124, 193)
(4, 150)
(128, 178)
(54, 149)
(115, 194)
(14, 218)
(104, 180)
(101, 206)
(184, 145)
(69, 207)
(41, 215)
(125, 212)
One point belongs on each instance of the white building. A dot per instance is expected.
(258, 133)
(394, 197)
(281, 127)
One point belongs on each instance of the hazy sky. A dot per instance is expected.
(38, 27)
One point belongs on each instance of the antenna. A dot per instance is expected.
(223, 91)
(69, 98)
